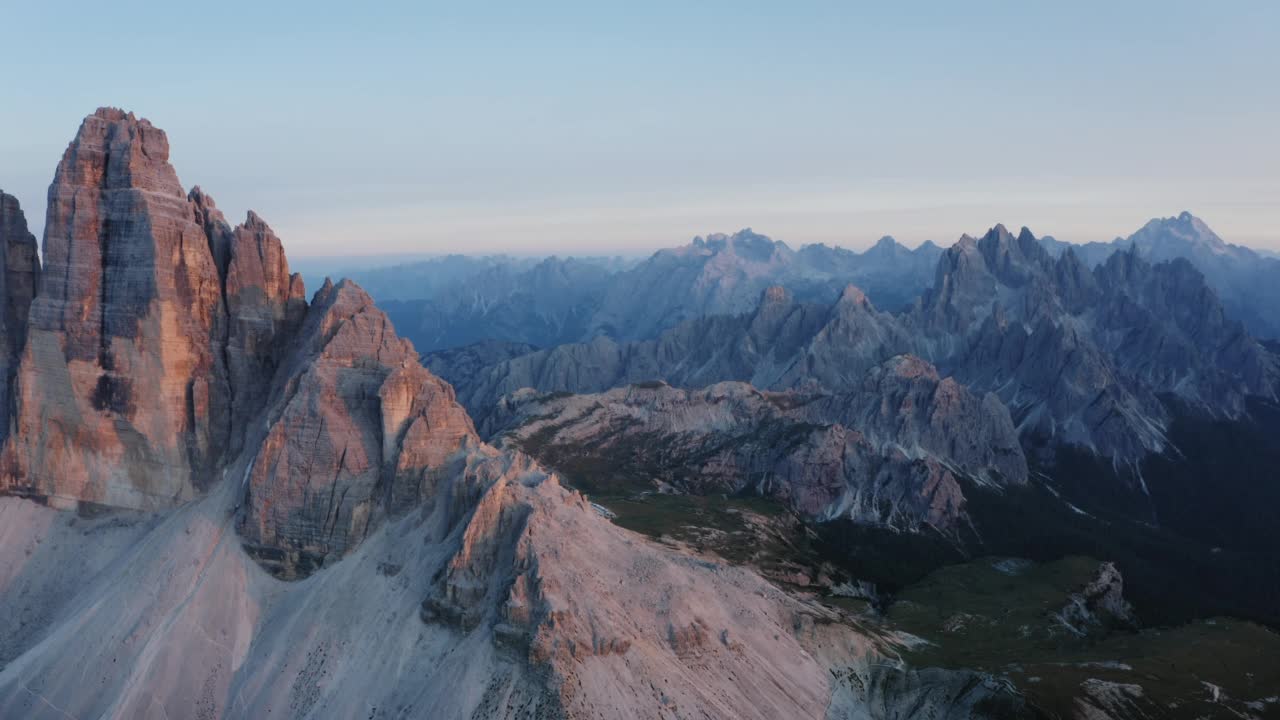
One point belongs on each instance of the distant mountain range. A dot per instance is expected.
(1080, 356)
(1018, 372)
(457, 300)
(1247, 281)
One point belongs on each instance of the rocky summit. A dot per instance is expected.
(152, 317)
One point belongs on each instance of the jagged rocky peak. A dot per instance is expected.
(216, 229)
(114, 150)
(745, 243)
(265, 304)
(776, 303)
(1179, 235)
(1014, 260)
(153, 335)
(971, 272)
(909, 405)
(886, 249)
(853, 295)
(357, 431)
(909, 367)
(122, 391)
(886, 242)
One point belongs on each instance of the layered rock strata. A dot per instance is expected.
(357, 430)
(887, 454)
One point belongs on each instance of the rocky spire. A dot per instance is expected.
(122, 394)
(265, 304)
(19, 280)
(152, 315)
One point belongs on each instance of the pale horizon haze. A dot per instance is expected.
(601, 129)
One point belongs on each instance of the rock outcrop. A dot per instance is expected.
(265, 306)
(122, 392)
(1099, 604)
(154, 336)
(357, 430)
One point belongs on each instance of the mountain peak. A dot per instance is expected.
(885, 249)
(775, 295)
(1165, 238)
(999, 232)
(113, 150)
(852, 294)
(253, 221)
(910, 366)
(113, 114)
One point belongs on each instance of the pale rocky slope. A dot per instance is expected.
(503, 596)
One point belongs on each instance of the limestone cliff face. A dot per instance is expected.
(19, 278)
(156, 332)
(122, 393)
(357, 430)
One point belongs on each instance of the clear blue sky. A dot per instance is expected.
(604, 127)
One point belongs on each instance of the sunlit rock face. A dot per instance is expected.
(154, 335)
(357, 430)
(264, 302)
(122, 392)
